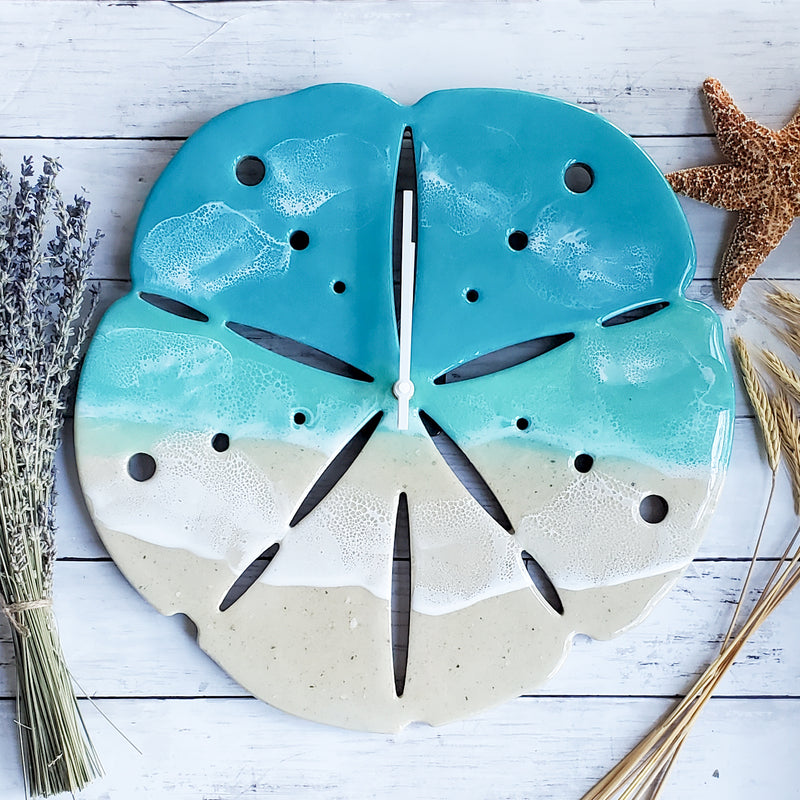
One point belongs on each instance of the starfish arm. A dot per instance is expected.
(722, 185)
(756, 235)
(740, 138)
(793, 128)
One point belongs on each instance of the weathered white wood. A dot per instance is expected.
(118, 646)
(117, 174)
(151, 69)
(114, 175)
(532, 748)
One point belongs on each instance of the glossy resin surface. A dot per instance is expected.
(569, 428)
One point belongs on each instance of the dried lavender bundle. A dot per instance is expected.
(45, 255)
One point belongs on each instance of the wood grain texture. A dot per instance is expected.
(75, 68)
(113, 88)
(226, 749)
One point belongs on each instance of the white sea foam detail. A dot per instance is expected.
(590, 533)
(231, 506)
(460, 556)
(464, 206)
(210, 249)
(346, 541)
(583, 263)
(305, 174)
(215, 505)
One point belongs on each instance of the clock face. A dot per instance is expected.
(431, 364)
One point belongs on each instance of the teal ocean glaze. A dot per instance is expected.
(490, 162)
(649, 399)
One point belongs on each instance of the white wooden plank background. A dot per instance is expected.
(113, 88)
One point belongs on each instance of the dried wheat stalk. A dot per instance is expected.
(785, 304)
(45, 255)
(759, 400)
(790, 440)
(642, 773)
(784, 374)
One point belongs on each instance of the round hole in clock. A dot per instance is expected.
(472, 295)
(300, 418)
(339, 287)
(299, 240)
(221, 442)
(250, 171)
(583, 462)
(523, 423)
(578, 177)
(141, 467)
(518, 240)
(653, 509)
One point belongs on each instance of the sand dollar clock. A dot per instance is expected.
(367, 343)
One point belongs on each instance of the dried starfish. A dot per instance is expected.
(761, 182)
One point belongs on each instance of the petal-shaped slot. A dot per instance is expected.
(249, 577)
(172, 306)
(298, 351)
(505, 357)
(633, 314)
(466, 472)
(401, 595)
(341, 462)
(542, 582)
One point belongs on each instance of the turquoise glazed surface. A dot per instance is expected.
(648, 397)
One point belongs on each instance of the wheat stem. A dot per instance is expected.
(753, 559)
(643, 772)
(789, 428)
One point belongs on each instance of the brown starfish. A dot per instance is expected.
(761, 182)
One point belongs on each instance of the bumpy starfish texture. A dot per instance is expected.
(761, 181)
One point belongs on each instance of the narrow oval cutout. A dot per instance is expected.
(633, 314)
(337, 467)
(465, 471)
(253, 572)
(653, 509)
(299, 240)
(401, 595)
(172, 306)
(504, 358)
(250, 171)
(221, 442)
(518, 240)
(579, 177)
(583, 462)
(541, 580)
(298, 351)
(141, 467)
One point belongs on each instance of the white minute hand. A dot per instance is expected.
(404, 388)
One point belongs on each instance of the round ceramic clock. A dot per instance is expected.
(430, 364)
